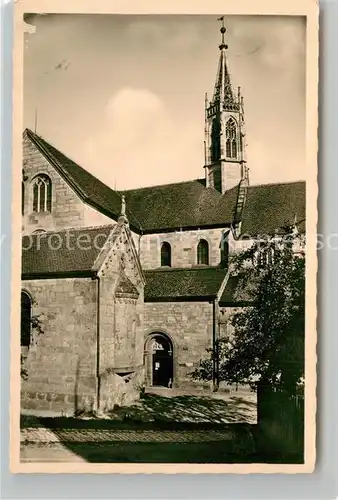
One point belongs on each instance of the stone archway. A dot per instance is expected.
(159, 360)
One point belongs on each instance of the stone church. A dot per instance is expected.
(123, 290)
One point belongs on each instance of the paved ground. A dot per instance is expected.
(42, 435)
(44, 445)
(134, 434)
(146, 446)
(175, 405)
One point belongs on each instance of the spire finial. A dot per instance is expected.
(222, 30)
(123, 206)
(123, 216)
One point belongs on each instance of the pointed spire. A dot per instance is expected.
(123, 215)
(223, 90)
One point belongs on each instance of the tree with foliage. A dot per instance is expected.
(266, 347)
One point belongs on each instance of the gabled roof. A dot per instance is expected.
(87, 186)
(71, 251)
(157, 208)
(181, 205)
(271, 207)
(169, 284)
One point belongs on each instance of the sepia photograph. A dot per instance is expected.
(165, 193)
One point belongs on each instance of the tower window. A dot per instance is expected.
(165, 254)
(26, 313)
(231, 139)
(42, 194)
(203, 253)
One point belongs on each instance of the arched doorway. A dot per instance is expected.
(159, 360)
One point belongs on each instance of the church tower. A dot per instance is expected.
(225, 162)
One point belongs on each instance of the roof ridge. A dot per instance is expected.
(76, 228)
(49, 143)
(161, 185)
(277, 183)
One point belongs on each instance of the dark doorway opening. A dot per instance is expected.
(162, 361)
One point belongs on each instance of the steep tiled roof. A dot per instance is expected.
(184, 204)
(233, 293)
(183, 284)
(59, 252)
(271, 207)
(150, 209)
(87, 186)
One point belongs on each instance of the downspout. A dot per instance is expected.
(215, 363)
(98, 380)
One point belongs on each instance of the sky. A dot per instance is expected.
(123, 96)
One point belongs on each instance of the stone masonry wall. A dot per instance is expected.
(121, 327)
(126, 319)
(61, 361)
(68, 210)
(190, 326)
(119, 331)
(231, 175)
(183, 247)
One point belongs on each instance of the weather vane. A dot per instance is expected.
(223, 30)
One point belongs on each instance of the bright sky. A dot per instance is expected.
(124, 95)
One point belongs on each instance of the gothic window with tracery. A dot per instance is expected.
(231, 139)
(42, 194)
(165, 254)
(203, 253)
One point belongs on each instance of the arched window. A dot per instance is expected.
(231, 139)
(39, 231)
(165, 254)
(26, 317)
(203, 252)
(42, 194)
